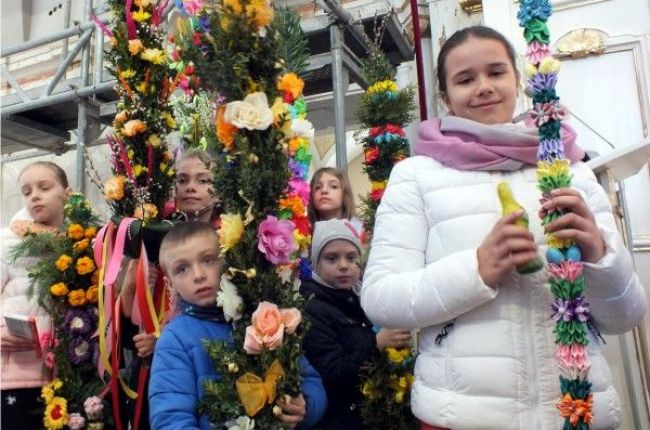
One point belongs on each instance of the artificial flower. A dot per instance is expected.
(140, 15)
(49, 360)
(569, 270)
(45, 340)
(225, 131)
(382, 86)
(371, 154)
(536, 29)
(85, 265)
(154, 56)
(397, 356)
(302, 128)
(280, 110)
(48, 391)
(56, 413)
(79, 351)
(302, 240)
(556, 168)
(121, 117)
(76, 421)
(266, 330)
(127, 74)
(141, 87)
(90, 232)
(77, 322)
(233, 368)
(75, 231)
(192, 7)
(241, 423)
(145, 212)
(135, 46)
(275, 239)
(530, 9)
(230, 231)
(299, 188)
(252, 113)
(537, 52)
(291, 318)
(63, 262)
(81, 245)
(228, 299)
(138, 170)
(549, 65)
(576, 409)
(93, 406)
(234, 5)
(92, 294)
(59, 289)
(77, 297)
(170, 122)
(260, 12)
(114, 188)
(154, 140)
(294, 204)
(574, 355)
(555, 242)
(291, 83)
(133, 128)
(303, 225)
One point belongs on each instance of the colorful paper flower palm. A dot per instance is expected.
(569, 309)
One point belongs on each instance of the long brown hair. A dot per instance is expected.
(61, 177)
(347, 201)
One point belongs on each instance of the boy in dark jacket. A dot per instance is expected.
(341, 338)
(189, 258)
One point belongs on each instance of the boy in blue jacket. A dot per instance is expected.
(189, 258)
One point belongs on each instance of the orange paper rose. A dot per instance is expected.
(114, 188)
(266, 330)
(77, 297)
(63, 262)
(85, 265)
(75, 231)
(59, 289)
(90, 232)
(81, 246)
(133, 128)
(92, 293)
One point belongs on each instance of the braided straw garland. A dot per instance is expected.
(569, 309)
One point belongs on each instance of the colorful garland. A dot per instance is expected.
(384, 109)
(65, 283)
(263, 161)
(570, 310)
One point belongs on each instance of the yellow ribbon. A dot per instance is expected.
(103, 348)
(255, 393)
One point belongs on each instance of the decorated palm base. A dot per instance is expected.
(150, 234)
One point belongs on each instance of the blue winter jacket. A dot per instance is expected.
(181, 366)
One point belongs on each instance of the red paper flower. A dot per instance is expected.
(371, 155)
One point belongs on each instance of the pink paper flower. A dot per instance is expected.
(275, 240)
(569, 270)
(76, 421)
(192, 6)
(45, 340)
(266, 330)
(94, 407)
(537, 52)
(300, 188)
(291, 318)
(49, 360)
(572, 356)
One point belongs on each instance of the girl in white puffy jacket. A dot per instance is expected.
(443, 258)
(45, 190)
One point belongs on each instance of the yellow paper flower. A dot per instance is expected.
(155, 56)
(63, 262)
(140, 15)
(549, 65)
(554, 242)
(56, 414)
(368, 390)
(280, 111)
(555, 168)
(530, 70)
(230, 232)
(292, 84)
(114, 188)
(146, 212)
(260, 11)
(399, 397)
(169, 120)
(153, 140)
(139, 169)
(59, 289)
(77, 297)
(121, 118)
(301, 240)
(397, 355)
(141, 87)
(85, 265)
(133, 128)
(378, 185)
(90, 232)
(75, 231)
(383, 86)
(127, 74)
(135, 46)
(47, 393)
(92, 293)
(81, 245)
(235, 5)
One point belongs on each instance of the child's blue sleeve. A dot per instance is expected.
(172, 386)
(314, 393)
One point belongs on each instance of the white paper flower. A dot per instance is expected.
(241, 423)
(229, 300)
(302, 128)
(252, 113)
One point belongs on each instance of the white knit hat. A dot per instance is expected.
(327, 231)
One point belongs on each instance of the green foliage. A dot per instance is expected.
(376, 68)
(293, 47)
(378, 109)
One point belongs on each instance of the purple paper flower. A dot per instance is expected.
(79, 351)
(550, 149)
(567, 310)
(275, 240)
(77, 322)
(296, 168)
(540, 82)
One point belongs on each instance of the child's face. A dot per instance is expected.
(193, 186)
(193, 269)
(481, 82)
(43, 194)
(338, 264)
(327, 196)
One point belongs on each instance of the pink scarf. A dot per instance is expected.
(464, 144)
